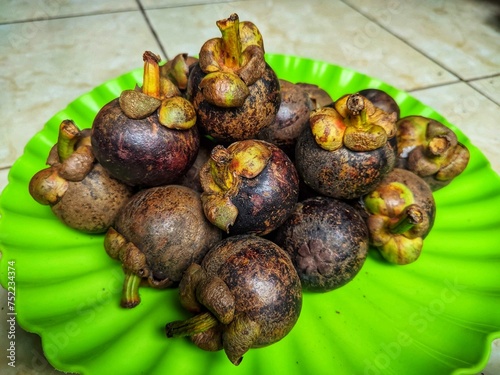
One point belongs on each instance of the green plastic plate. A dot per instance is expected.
(438, 315)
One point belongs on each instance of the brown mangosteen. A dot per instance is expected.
(191, 178)
(249, 187)
(345, 152)
(431, 150)
(319, 96)
(78, 190)
(401, 212)
(145, 138)
(291, 119)
(234, 91)
(327, 240)
(246, 294)
(157, 235)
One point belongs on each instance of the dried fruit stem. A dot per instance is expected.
(151, 75)
(130, 293)
(67, 139)
(196, 324)
(410, 217)
(231, 41)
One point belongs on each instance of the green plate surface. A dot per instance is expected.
(438, 315)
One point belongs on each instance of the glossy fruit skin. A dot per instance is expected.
(291, 119)
(264, 202)
(343, 173)
(239, 123)
(142, 152)
(327, 240)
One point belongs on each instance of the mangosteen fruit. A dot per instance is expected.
(157, 235)
(319, 96)
(401, 212)
(327, 240)
(246, 294)
(250, 187)
(234, 91)
(79, 191)
(291, 119)
(344, 152)
(431, 150)
(144, 138)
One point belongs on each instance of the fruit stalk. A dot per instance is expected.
(130, 294)
(191, 326)
(410, 217)
(67, 139)
(151, 75)
(231, 41)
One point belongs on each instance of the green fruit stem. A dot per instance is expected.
(231, 41)
(410, 217)
(130, 292)
(191, 326)
(67, 138)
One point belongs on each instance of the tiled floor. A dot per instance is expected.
(446, 53)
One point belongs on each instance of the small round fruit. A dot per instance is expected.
(327, 240)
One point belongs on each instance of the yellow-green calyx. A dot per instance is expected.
(354, 122)
(221, 175)
(393, 236)
(238, 52)
(160, 93)
(177, 113)
(395, 223)
(328, 128)
(389, 199)
(70, 159)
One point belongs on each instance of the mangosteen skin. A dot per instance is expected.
(265, 201)
(91, 205)
(167, 224)
(291, 119)
(328, 242)
(343, 173)
(239, 123)
(143, 152)
(263, 281)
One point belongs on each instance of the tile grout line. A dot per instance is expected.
(153, 31)
(48, 18)
(402, 40)
(459, 79)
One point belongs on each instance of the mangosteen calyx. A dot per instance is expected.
(431, 150)
(221, 176)
(159, 94)
(401, 213)
(232, 62)
(70, 159)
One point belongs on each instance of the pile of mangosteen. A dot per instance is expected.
(243, 190)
